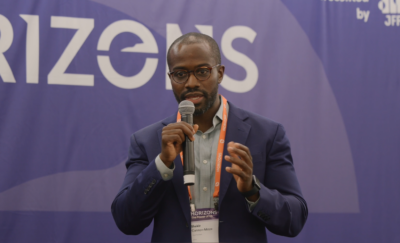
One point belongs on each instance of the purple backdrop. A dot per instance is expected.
(78, 77)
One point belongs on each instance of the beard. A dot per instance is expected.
(210, 99)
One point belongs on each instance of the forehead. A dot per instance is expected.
(191, 55)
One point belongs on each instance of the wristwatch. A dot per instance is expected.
(255, 189)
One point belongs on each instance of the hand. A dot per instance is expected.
(172, 136)
(242, 167)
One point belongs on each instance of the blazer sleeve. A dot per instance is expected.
(141, 193)
(281, 206)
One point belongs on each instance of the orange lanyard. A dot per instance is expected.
(220, 149)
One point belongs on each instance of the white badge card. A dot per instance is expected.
(205, 225)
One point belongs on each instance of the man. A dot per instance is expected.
(256, 187)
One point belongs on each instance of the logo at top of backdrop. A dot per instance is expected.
(392, 10)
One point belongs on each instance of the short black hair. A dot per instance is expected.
(198, 38)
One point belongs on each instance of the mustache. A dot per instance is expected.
(205, 94)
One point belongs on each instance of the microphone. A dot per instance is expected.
(186, 108)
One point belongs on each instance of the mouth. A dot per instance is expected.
(194, 97)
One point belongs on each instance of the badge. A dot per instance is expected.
(205, 225)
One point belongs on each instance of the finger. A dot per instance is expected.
(242, 154)
(188, 130)
(233, 151)
(230, 151)
(195, 127)
(241, 147)
(179, 124)
(168, 135)
(239, 163)
(240, 173)
(185, 127)
(244, 148)
(174, 139)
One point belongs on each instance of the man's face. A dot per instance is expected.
(188, 57)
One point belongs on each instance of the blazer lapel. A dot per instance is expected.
(177, 179)
(237, 131)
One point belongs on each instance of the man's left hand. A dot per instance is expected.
(242, 167)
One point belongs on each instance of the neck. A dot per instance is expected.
(205, 120)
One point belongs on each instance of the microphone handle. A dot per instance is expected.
(188, 155)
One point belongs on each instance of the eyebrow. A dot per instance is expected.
(200, 65)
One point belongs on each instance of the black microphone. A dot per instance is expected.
(186, 108)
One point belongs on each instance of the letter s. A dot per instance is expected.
(239, 86)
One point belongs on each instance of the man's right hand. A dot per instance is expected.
(173, 135)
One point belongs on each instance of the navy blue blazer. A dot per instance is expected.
(145, 196)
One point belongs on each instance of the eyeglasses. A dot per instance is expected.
(201, 73)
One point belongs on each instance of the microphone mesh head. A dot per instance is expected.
(186, 107)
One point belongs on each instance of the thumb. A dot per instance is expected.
(195, 127)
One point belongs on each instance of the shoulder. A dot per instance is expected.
(253, 119)
(152, 130)
(148, 139)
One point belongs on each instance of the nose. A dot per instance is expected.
(192, 81)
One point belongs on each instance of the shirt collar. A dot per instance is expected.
(218, 117)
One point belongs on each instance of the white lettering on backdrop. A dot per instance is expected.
(7, 36)
(149, 45)
(32, 48)
(57, 75)
(84, 27)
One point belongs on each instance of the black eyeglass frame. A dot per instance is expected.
(171, 74)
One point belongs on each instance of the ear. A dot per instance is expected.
(221, 71)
